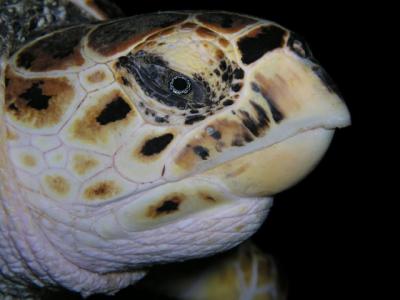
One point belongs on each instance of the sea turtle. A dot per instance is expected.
(145, 140)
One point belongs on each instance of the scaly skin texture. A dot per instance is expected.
(106, 171)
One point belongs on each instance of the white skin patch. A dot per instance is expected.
(57, 158)
(45, 143)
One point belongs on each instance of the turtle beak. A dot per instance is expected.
(293, 86)
(275, 134)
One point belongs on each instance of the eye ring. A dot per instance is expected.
(180, 85)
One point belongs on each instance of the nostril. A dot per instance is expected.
(298, 45)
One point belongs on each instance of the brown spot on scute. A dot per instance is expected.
(28, 160)
(58, 93)
(224, 22)
(89, 129)
(231, 134)
(96, 77)
(188, 25)
(82, 164)
(11, 135)
(58, 184)
(207, 197)
(110, 38)
(219, 54)
(260, 41)
(205, 33)
(166, 206)
(103, 190)
(223, 42)
(57, 51)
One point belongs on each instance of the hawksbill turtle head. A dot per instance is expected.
(162, 137)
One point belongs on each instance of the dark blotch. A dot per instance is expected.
(168, 206)
(249, 122)
(240, 139)
(159, 119)
(222, 65)
(125, 81)
(193, 119)
(277, 115)
(262, 116)
(157, 144)
(25, 60)
(34, 97)
(49, 52)
(13, 107)
(114, 111)
(215, 134)
(237, 142)
(238, 73)
(201, 151)
(266, 39)
(236, 87)
(227, 102)
(255, 87)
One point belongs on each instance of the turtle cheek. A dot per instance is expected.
(276, 168)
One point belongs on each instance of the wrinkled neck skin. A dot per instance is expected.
(28, 260)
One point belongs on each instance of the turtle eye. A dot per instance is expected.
(164, 84)
(180, 85)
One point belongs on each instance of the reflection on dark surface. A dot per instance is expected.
(243, 273)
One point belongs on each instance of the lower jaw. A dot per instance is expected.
(248, 182)
(273, 169)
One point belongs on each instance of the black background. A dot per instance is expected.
(314, 229)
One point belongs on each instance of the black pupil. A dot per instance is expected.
(180, 84)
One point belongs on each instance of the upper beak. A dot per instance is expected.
(284, 96)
